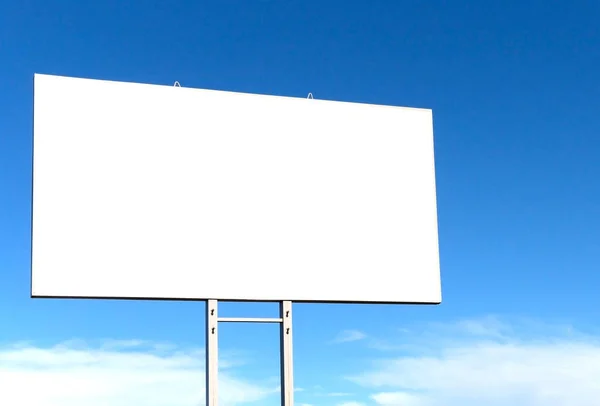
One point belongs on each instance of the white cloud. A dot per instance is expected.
(117, 374)
(489, 326)
(398, 399)
(350, 404)
(493, 363)
(347, 336)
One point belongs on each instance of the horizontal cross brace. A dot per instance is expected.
(249, 320)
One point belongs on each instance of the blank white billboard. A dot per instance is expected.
(146, 191)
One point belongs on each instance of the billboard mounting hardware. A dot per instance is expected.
(285, 322)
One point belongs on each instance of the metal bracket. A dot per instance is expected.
(248, 320)
(212, 354)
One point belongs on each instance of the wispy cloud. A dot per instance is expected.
(490, 362)
(352, 403)
(116, 373)
(347, 336)
(398, 399)
(318, 392)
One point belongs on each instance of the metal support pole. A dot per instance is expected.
(287, 370)
(212, 353)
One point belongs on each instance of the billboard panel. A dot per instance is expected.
(146, 191)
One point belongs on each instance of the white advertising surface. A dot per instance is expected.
(146, 191)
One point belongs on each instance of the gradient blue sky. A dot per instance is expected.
(514, 87)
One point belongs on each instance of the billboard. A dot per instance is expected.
(160, 192)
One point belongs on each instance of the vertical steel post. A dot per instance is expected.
(287, 364)
(212, 353)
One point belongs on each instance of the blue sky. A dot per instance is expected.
(514, 89)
